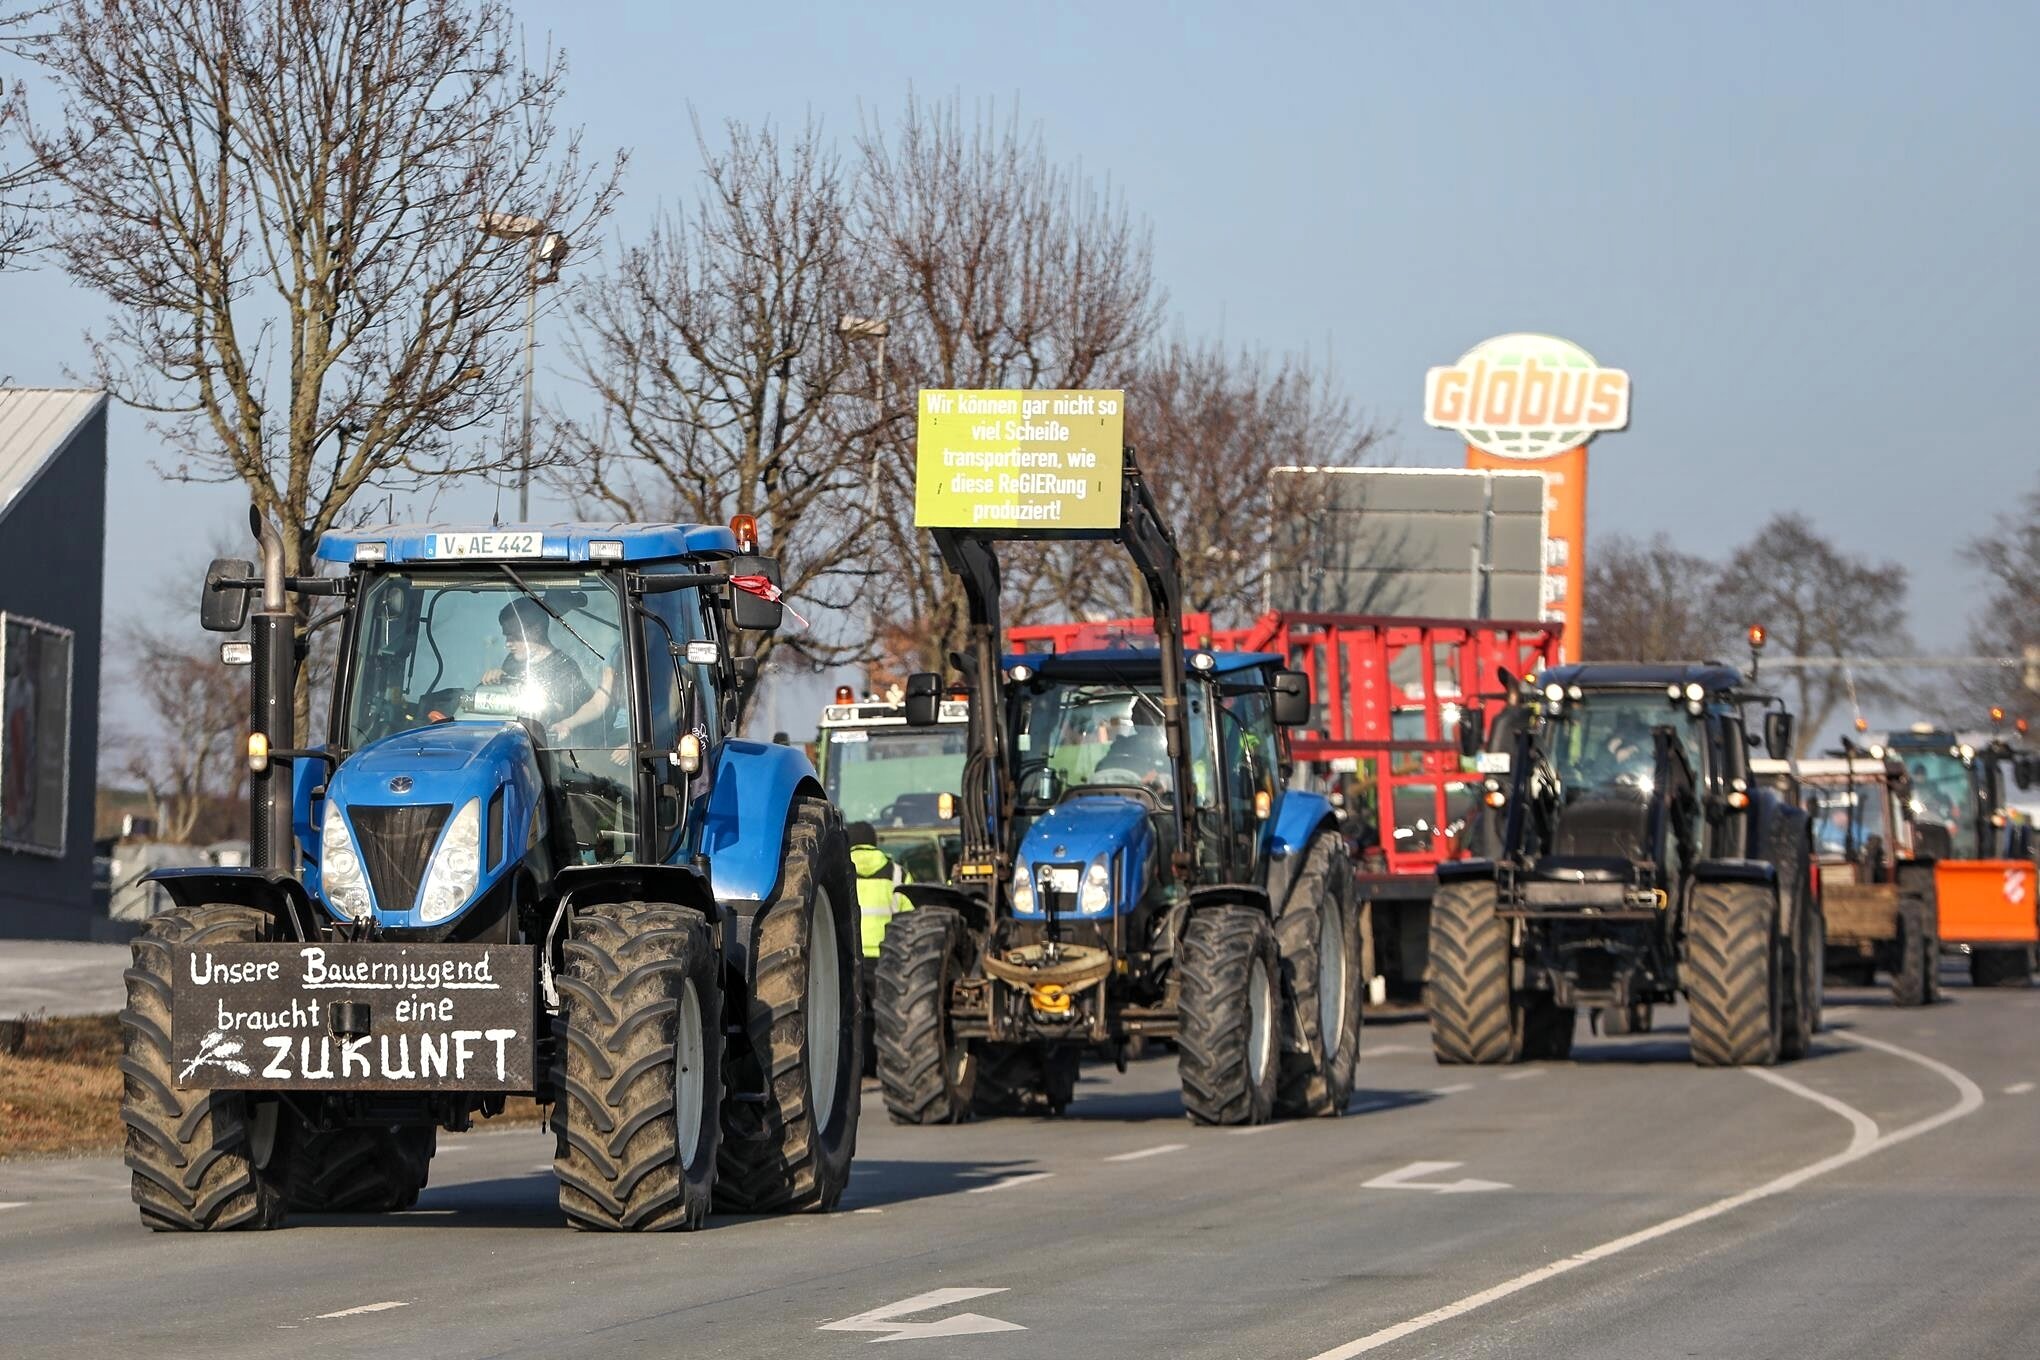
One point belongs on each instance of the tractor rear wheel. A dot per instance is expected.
(1229, 1035)
(1735, 976)
(1917, 955)
(2000, 967)
(641, 1076)
(791, 1149)
(202, 1161)
(1318, 938)
(1025, 1079)
(358, 1170)
(927, 1073)
(1468, 990)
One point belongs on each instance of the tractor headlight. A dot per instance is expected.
(340, 875)
(455, 866)
(1023, 887)
(1096, 893)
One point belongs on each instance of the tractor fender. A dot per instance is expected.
(1300, 817)
(266, 890)
(750, 807)
(1466, 870)
(1742, 871)
(965, 903)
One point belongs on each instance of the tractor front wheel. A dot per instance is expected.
(1735, 976)
(1318, 938)
(789, 1146)
(928, 1074)
(1468, 991)
(1229, 1037)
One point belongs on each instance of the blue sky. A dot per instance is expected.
(1804, 229)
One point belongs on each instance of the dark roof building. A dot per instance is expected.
(52, 584)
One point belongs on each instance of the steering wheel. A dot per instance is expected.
(1115, 774)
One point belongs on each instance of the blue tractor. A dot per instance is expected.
(1133, 868)
(529, 857)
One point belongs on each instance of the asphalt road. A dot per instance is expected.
(1877, 1199)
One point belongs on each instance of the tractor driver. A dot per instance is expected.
(1140, 748)
(561, 688)
(1624, 755)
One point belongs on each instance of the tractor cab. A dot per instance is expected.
(537, 699)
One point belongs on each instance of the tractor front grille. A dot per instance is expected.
(396, 843)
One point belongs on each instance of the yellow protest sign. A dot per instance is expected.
(1019, 460)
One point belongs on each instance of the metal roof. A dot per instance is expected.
(559, 542)
(1135, 659)
(36, 423)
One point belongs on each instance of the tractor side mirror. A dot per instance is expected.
(224, 608)
(1778, 734)
(755, 606)
(1469, 732)
(924, 699)
(1292, 698)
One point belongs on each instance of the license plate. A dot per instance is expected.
(484, 545)
(354, 1017)
(1061, 879)
(1493, 762)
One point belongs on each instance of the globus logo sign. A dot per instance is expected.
(1526, 396)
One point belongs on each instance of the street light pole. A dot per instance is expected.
(548, 249)
(530, 374)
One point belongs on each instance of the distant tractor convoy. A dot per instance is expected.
(528, 854)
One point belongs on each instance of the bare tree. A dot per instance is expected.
(714, 358)
(1648, 601)
(1211, 425)
(22, 177)
(2008, 623)
(1816, 600)
(994, 267)
(281, 200)
(187, 755)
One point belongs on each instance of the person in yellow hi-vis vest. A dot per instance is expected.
(879, 899)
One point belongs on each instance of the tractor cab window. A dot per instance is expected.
(475, 646)
(1852, 820)
(1070, 735)
(1604, 741)
(1942, 792)
(894, 776)
(1247, 747)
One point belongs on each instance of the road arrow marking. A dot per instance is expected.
(1008, 1182)
(886, 1318)
(1408, 1178)
(1148, 1152)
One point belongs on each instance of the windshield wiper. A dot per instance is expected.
(557, 617)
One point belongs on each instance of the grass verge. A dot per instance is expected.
(60, 1088)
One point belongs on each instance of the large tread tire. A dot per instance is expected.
(2000, 968)
(641, 1005)
(1468, 991)
(201, 1161)
(1318, 1067)
(1806, 962)
(1735, 976)
(791, 1152)
(1916, 956)
(1229, 1021)
(358, 1170)
(1025, 1080)
(927, 1074)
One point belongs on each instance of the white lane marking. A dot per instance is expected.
(1454, 1089)
(1407, 1178)
(886, 1318)
(12, 1203)
(1523, 1072)
(1008, 1182)
(1863, 1129)
(363, 1308)
(2017, 1088)
(867, 1211)
(1377, 1050)
(1970, 1099)
(1154, 1151)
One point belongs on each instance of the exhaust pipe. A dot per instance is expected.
(272, 632)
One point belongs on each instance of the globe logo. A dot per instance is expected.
(1526, 396)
